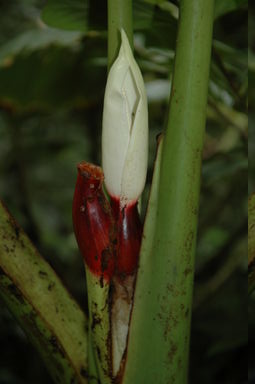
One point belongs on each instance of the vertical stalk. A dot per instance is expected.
(160, 325)
(119, 16)
(100, 349)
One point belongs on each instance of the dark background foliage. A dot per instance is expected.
(251, 185)
(53, 66)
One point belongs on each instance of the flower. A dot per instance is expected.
(125, 128)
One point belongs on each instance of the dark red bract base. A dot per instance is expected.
(94, 226)
(129, 237)
(109, 237)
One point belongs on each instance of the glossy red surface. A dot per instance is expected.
(129, 237)
(93, 223)
(109, 237)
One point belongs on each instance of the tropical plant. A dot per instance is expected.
(53, 74)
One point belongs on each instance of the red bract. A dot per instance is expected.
(129, 237)
(108, 236)
(94, 226)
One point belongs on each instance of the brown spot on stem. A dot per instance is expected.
(187, 271)
(172, 352)
(189, 242)
(16, 293)
(84, 373)
(51, 286)
(42, 274)
(96, 320)
(99, 353)
(6, 248)
(56, 345)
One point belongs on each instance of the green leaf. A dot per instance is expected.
(36, 81)
(74, 15)
(35, 39)
(225, 6)
(80, 15)
(66, 14)
(33, 293)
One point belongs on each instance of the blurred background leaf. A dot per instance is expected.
(225, 6)
(53, 66)
(67, 14)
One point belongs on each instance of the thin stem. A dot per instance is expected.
(119, 16)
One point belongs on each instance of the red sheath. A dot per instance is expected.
(129, 237)
(94, 226)
(109, 237)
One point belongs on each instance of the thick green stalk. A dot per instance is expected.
(119, 16)
(158, 347)
(35, 296)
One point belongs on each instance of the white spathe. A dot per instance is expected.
(125, 128)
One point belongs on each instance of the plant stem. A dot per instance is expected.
(160, 324)
(119, 16)
(35, 296)
(181, 167)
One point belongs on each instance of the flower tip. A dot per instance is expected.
(125, 127)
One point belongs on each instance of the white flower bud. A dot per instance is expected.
(125, 128)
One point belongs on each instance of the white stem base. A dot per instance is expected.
(121, 310)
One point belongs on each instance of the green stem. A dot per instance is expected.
(35, 296)
(161, 315)
(180, 170)
(119, 16)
